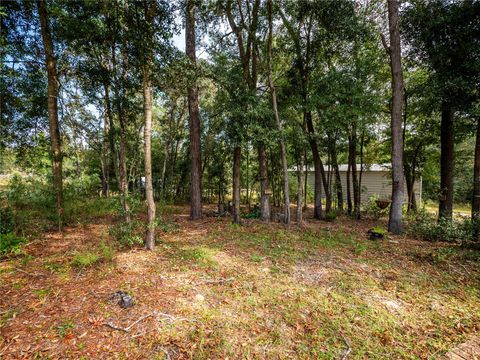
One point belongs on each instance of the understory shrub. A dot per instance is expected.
(10, 244)
(128, 234)
(459, 230)
(102, 253)
(371, 208)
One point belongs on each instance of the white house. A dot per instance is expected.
(376, 181)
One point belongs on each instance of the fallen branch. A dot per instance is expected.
(348, 350)
(127, 329)
(219, 281)
(28, 273)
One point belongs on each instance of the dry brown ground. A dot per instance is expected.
(215, 290)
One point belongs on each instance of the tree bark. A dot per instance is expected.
(195, 146)
(445, 207)
(237, 159)
(55, 141)
(278, 123)
(395, 223)
(335, 171)
(122, 156)
(352, 154)
(105, 158)
(300, 177)
(349, 186)
(147, 134)
(264, 190)
(147, 109)
(476, 182)
(317, 163)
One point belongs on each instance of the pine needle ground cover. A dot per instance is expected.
(216, 290)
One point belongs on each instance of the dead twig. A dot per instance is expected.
(219, 281)
(127, 329)
(348, 350)
(29, 273)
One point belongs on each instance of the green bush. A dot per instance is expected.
(128, 234)
(425, 226)
(7, 220)
(371, 208)
(331, 216)
(10, 243)
(102, 252)
(85, 259)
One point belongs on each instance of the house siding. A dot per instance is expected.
(374, 183)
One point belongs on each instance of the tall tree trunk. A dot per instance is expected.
(278, 123)
(352, 145)
(147, 134)
(445, 207)
(237, 159)
(264, 190)
(147, 109)
(105, 158)
(335, 172)
(110, 133)
(476, 183)
(195, 150)
(300, 188)
(122, 153)
(305, 183)
(55, 141)
(395, 223)
(349, 184)
(317, 164)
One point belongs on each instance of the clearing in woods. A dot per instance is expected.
(216, 290)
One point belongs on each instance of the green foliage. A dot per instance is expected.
(425, 226)
(167, 226)
(10, 244)
(254, 214)
(102, 253)
(85, 259)
(128, 234)
(64, 328)
(331, 215)
(371, 208)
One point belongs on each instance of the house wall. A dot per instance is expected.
(374, 183)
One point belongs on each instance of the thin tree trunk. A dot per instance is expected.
(317, 163)
(349, 185)
(445, 207)
(305, 183)
(147, 108)
(237, 158)
(353, 166)
(122, 154)
(105, 158)
(264, 190)
(395, 223)
(283, 152)
(300, 187)
(338, 182)
(147, 135)
(195, 150)
(476, 183)
(56, 145)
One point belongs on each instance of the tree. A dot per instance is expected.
(195, 146)
(442, 36)
(395, 224)
(147, 109)
(56, 146)
(283, 152)
(248, 54)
